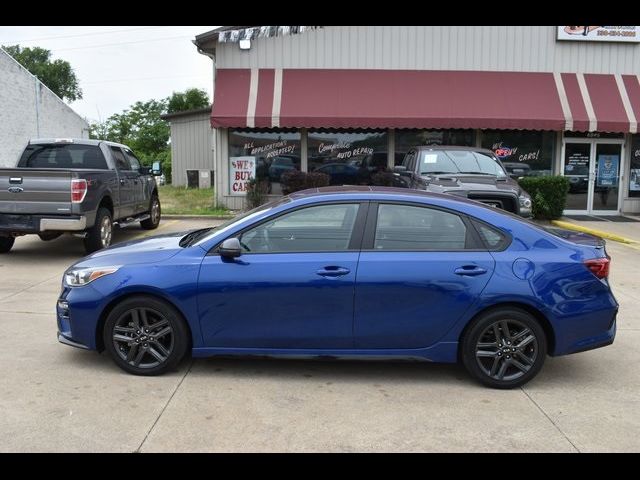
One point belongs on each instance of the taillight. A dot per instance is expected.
(598, 266)
(78, 190)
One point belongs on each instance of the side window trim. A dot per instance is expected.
(355, 242)
(118, 149)
(473, 239)
(506, 237)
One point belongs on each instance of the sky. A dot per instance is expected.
(120, 65)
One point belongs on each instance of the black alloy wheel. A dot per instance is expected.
(504, 348)
(145, 336)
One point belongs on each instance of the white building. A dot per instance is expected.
(28, 109)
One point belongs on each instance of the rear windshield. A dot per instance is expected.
(63, 156)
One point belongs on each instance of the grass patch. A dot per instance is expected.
(188, 201)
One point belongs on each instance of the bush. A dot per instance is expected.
(548, 194)
(294, 181)
(257, 191)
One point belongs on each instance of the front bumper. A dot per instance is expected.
(68, 341)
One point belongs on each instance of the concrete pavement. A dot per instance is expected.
(56, 398)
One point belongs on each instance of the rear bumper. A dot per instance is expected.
(20, 224)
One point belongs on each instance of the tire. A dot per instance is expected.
(139, 357)
(46, 237)
(6, 243)
(155, 213)
(97, 238)
(529, 343)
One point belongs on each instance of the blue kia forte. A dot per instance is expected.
(348, 272)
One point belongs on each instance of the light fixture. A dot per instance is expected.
(245, 44)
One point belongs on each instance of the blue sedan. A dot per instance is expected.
(348, 272)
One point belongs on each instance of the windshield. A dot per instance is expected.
(233, 221)
(434, 162)
(63, 156)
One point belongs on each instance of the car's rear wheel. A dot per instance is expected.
(6, 243)
(504, 348)
(100, 235)
(145, 336)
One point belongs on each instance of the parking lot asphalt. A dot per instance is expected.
(57, 398)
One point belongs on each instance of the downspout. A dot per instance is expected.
(37, 91)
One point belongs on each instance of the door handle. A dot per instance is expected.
(122, 181)
(333, 271)
(470, 270)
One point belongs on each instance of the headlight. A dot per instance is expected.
(525, 202)
(77, 277)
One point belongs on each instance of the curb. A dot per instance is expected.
(593, 231)
(197, 217)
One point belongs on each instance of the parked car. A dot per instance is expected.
(78, 186)
(281, 164)
(340, 173)
(439, 278)
(474, 173)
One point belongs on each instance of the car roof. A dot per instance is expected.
(74, 141)
(453, 147)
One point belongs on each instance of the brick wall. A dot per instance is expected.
(28, 109)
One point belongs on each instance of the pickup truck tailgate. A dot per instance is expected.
(30, 191)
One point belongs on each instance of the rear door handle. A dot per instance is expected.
(122, 181)
(470, 270)
(333, 271)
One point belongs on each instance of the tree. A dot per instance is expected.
(190, 99)
(57, 75)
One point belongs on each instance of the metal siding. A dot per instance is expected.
(502, 47)
(190, 146)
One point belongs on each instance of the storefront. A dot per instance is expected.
(273, 117)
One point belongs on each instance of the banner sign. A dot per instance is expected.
(608, 170)
(260, 32)
(242, 169)
(599, 34)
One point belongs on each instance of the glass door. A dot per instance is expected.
(577, 157)
(606, 177)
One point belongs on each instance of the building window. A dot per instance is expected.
(407, 139)
(347, 156)
(523, 153)
(634, 174)
(264, 154)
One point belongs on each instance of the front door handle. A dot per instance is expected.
(470, 270)
(122, 181)
(333, 271)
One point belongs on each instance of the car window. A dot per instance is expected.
(458, 161)
(493, 238)
(407, 227)
(118, 156)
(133, 161)
(323, 228)
(63, 156)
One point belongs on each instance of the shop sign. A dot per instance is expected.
(242, 170)
(608, 170)
(599, 33)
(343, 150)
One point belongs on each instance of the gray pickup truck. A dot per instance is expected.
(77, 186)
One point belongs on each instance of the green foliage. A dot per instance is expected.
(257, 192)
(190, 99)
(548, 194)
(57, 75)
(294, 181)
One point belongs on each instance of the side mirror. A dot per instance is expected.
(230, 248)
(156, 169)
(401, 170)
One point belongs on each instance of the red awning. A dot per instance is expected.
(317, 98)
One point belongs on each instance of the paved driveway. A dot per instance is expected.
(56, 398)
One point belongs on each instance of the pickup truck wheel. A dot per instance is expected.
(99, 236)
(6, 243)
(153, 221)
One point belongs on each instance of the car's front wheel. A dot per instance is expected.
(145, 336)
(504, 348)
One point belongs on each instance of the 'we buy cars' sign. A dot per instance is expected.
(242, 169)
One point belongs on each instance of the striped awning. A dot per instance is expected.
(338, 98)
